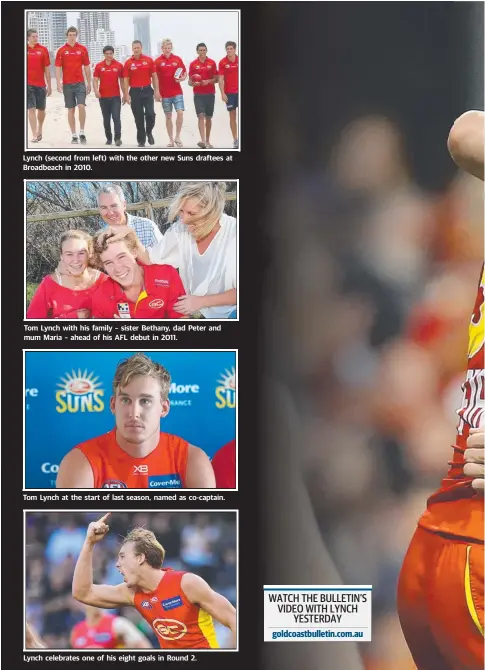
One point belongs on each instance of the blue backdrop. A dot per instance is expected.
(67, 397)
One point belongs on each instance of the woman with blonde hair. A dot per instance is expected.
(202, 245)
(68, 296)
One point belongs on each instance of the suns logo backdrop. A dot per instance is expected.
(73, 389)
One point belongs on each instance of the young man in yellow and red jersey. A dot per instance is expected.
(101, 630)
(38, 83)
(229, 84)
(136, 454)
(133, 290)
(179, 606)
(72, 66)
(440, 591)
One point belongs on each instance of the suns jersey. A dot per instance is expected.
(100, 636)
(178, 623)
(455, 508)
(164, 468)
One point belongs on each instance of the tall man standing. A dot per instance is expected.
(229, 85)
(38, 83)
(71, 60)
(202, 77)
(107, 75)
(139, 74)
(170, 72)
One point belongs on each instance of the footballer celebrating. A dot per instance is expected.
(38, 83)
(178, 606)
(440, 591)
(136, 454)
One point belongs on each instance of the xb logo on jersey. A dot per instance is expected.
(140, 469)
(169, 629)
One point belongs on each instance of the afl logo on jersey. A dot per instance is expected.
(114, 484)
(169, 629)
(146, 605)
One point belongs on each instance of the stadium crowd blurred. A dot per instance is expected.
(375, 290)
(195, 542)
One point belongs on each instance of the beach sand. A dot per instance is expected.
(57, 135)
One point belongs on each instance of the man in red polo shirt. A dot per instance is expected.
(205, 71)
(170, 72)
(133, 291)
(229, 85)
(71, 60)
(107, 75)
(38, 83)
(139, 74)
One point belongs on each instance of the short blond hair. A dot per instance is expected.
(103, 240)
(166, 40)
(145, 542)
(210, 195)
(141, 365)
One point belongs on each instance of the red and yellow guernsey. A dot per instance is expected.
(178, 623)
(455, 509)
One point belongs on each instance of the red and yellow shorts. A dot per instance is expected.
(440, 602)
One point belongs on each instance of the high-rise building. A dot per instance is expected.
(141, 25)
(103, 38)
(51, 27)
(122, 53)
(89, 23)
(58, 27)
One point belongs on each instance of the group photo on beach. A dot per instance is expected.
(160, 80)
(131, 250)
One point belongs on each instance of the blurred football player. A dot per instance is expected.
(101, 630)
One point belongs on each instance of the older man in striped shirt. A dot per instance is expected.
(112, 207)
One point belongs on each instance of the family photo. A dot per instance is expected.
(101, 79)
(131, 250)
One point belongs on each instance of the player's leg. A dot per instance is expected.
(31, 100)
(81, 105)
(138, 114)
(167, 110)
(179, 108)
(457, 604)
(200, 111)
(150, 116)
(105, 104)
(116, 114)
(70, 103)
(209, 113)
(412, 601)
(41, 103)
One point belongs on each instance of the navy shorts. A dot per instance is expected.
(232, 101)
(204, 104)
(74, 94)
(36, 97)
